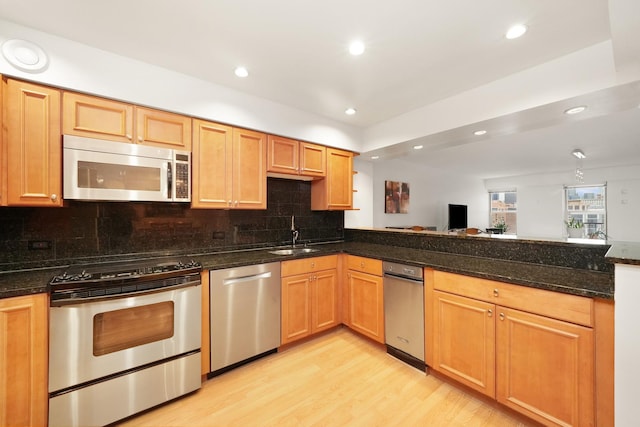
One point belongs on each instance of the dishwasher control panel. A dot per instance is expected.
(402, 270)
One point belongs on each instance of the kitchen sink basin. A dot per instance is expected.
(293, 251)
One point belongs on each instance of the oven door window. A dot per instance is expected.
(130, 327)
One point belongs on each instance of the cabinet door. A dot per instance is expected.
(211, 165)
(545, 368)
(23, 361)
(95, 117)
(464, 341)
(313, 159)
(324, 308)
(296, 307)
(283, 155)
(33, 144)
(249, 169)
(335, 191)
(162, 129)
(366, 304)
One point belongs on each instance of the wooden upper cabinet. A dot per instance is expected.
(159, 128)
(211, 165)
(100, 118)
(94, 117)
(32, 144)
(290, 157)
(229, 167)
(249, 169)
(23, 360)
(335, 191)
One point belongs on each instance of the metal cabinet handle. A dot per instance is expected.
(140, 138)
(313, 264)
(129, 137)
(54, 197)
(236, 203)
(501, 316)
(495, 293)
(362, 264)
(490, 313)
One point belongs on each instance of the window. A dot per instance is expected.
(588, 204)
(504, 211)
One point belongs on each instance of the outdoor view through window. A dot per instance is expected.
(504, 211)
(587, 205)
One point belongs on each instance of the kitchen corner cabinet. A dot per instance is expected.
(295, 158)
(309, 297)
(530, 349)
(32, 148)
(363, 297)
(100, 118)
(335, 191)
(23, 360)
(228, 167)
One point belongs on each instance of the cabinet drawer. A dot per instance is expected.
(308, 265)
(364, 265)
(570, 308)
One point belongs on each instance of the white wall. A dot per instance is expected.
(362, 183)
(627, 344)
(82, 68)
(431, 190)
(540, 201)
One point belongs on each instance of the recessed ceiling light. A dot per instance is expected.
(350, 111)
(356, 48)
(480, 132)
(516, 31)
(578, 153)
(375, 157)
(241, 72)
(417, 147)
(575, 110)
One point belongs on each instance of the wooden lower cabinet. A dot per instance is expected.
(23, 360)
(464, 336)
(365, 304)
(535, 364)
(309, 299)
(545, 368)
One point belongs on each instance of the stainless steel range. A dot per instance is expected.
(123, 337)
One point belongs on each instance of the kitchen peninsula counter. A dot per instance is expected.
(576, 269)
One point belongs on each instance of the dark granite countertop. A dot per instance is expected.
(624, 253)
(584, 282)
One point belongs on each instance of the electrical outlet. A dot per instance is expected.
(37, 245)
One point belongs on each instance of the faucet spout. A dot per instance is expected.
(294, 237)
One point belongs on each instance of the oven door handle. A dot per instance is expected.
(98, 298)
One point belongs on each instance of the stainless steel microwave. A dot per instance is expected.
(95, 169)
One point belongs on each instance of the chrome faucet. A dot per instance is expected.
(294, 233)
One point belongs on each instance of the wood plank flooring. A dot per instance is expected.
(339, 379)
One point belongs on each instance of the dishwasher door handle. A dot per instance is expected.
(235, 280)
(403, 279)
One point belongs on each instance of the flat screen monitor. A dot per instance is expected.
(457, 216)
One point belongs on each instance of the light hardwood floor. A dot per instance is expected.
(339, 379)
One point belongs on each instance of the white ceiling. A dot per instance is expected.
(417, 51)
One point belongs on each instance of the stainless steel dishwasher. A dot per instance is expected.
(245, 314)
(404, 312)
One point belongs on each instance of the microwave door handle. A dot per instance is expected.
(169, 180)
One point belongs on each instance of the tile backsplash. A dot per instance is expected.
(30, 236)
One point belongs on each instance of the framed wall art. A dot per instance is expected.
(396, 197)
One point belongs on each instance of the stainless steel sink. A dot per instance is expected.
(293, 251)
